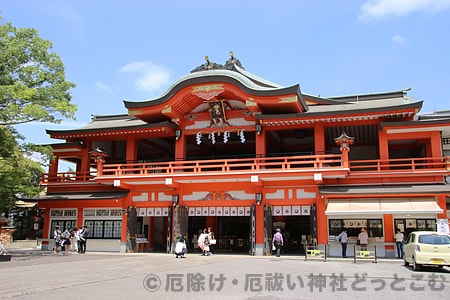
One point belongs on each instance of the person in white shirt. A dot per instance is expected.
(343, 240)
(201, 241)
(363, 238)
(78, 238)
(57, 236)
(399, 238)
(180, 248)
(211, 239)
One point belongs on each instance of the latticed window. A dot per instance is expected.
(104, 229)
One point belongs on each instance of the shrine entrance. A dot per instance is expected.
(233, 228)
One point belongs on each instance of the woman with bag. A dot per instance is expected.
(212, 240)
(203, 243)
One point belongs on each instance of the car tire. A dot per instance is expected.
(416, 266)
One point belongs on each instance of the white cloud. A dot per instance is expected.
(102, 87)
(151, 77)
(380, 8)
(398, 39)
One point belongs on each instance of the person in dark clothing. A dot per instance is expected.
(343, 240)
(84, 232)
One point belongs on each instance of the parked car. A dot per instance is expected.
(427, 248)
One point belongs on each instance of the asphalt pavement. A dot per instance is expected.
(35, 274)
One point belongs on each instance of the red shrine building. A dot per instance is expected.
(226, 149)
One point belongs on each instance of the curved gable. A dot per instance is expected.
(234, 86)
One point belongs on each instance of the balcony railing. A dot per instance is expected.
(308, 163)
(251, 165)
(400, 165)
(69, 177)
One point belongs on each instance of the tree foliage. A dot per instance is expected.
(19, 175)
(33, 88)
(32, 79)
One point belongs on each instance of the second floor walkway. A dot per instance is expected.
(313, 167)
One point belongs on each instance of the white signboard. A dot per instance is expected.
(219, 211)
(287, 210)
(205, 212)
(277, 211)
(442, 226)
(142, 212)
(296, 210)
(212, 211)
(198, 211)
(165, 211)
(233, 211)
(191, 212)
(226, 211)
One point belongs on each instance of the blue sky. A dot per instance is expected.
(135, 49)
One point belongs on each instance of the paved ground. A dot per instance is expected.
(33, 274)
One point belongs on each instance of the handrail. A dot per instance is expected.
(314, 163)
(68, 177)
(399, 165)
(225, 165)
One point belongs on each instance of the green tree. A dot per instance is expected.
(32, 79)
(19, 175)
(33, 88)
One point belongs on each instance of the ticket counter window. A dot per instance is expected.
(409, 225)
(374, 227)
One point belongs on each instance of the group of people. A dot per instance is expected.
(206, 241)
(73, 239)
(363, 241)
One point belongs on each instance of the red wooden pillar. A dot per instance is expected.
(47, 234)
(345, 162)
(126, 206)
(80, 217)
(321, 222)
(442, 202)
(131, 155)
(259, 223)
(85, 167)
(383, 149)
(180, 146)
(260, 151)
(436, 149)
(260, 141)
(319, 138)
(389, 232)
(53, 169)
